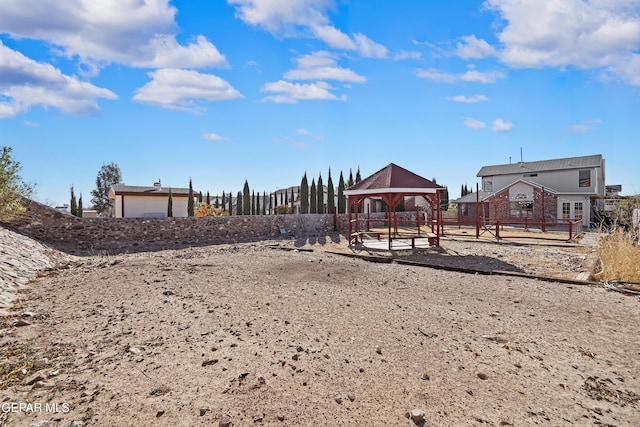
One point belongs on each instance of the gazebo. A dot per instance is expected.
(392, 184)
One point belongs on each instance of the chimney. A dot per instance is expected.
(157, 185)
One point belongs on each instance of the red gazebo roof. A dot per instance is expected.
(393, 179)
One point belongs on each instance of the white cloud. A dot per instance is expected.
(596, 34)
(305, 132)
(474, 124)
(581, 128)
(210, 136)
(481, 77)
(473, 48)
(586, 126)
(468, 99)
(291, 93)
(333, 37)
(282, 16)
(129, 32)
(436, 75)
(404, 54)
(500, 125)
(176, 89)
(25, 83)
(472, 75)
(304, 18)
(321, 65)
(368, 48)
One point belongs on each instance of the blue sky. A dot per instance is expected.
(266, 90)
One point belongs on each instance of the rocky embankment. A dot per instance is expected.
(21, 260)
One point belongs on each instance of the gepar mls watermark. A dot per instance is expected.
(34, 407)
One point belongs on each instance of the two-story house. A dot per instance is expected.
(564, 188)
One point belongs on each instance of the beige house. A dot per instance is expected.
(131, 201)
(566, 189)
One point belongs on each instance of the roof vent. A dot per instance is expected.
(157, 185)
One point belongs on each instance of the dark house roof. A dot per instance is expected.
(393, 179)
(484, 195)
(149, 191)
(543, 165)
(472, 197)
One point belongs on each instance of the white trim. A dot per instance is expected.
(393, 191)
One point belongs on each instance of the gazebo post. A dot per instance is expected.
(395, 220)
(349, 218)
(357, 216)
(439, 224)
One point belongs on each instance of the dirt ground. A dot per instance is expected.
(292, 335)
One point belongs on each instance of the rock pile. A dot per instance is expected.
(21, 259)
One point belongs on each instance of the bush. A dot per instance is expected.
(619, 256)
(12, 189)
(208, 210)
(282, 210)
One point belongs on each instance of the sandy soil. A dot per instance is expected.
(263, 336)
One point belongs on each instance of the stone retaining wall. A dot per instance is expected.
(87, 235)
(96, 235)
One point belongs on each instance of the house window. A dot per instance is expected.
(487, 184)
(521, 209)
(584, 178)
(577, 209)
(566, 210)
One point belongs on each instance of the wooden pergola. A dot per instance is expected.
(392, 184)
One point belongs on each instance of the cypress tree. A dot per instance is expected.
(286, 199)
(271, 205)
(342, 202)
(258, 204)
(170, 205)
(304, 195)
(462, 190)
(444, 199)
(230, 204)
(223, 201)
(264, 203)
(281, 198)
(253, 202)
(330, 194)
(74, 203)
(350, 180)
(209, 200)
(358, 177)
(190, 204)
(246, 199)
(313, 208)
(320, 196)
(239, 204)
(293, 199)
(80, 206)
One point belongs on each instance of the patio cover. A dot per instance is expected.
(392, 183)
